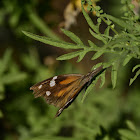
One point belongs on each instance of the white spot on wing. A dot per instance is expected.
(40, 86)
(55, 77)
(52, 83)
(48, 93)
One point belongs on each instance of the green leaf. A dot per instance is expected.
(81, 55)
(93, 45)
(89, 21)
(90, 87)
(96, 66)
(134, 78)
(102, 79)
(73, 37)
(97, 55)
(107, 37)
(102, 75)
(106, 65)
(107, 31)
(110, 62)
(129, 134)
(134, 68)
(127, 59)
(131, 125)
(98, 36)
(119, 21)
(114, 75)
(5, 61)
(11, 78)
(69, 55)
(51, 41)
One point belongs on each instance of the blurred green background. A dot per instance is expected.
(106, 114)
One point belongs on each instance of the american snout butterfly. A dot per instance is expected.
(62, 90)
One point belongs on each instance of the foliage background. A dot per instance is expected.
(105, 114)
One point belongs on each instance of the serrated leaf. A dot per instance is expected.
(134, 68)
(51, 41)
(93, 45)
(81, 55)
(73, 37)
(111, 61)
(69, 55)
(97, 55)
(114, 75)
(89, 21)
(119, 22)
(98, 36)
(90, 87)
(107, 37)
(88, 91)
(96, 66)
(106, 65)
(102, 79)
(134, 78)
(127, 59)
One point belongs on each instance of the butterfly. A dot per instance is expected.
(62, 90)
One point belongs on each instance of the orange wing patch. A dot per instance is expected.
(69, 80)
(61, 92)
(73, 80)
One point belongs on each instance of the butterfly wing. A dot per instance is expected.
(71, 94)
(58, 90)
(61, 90)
